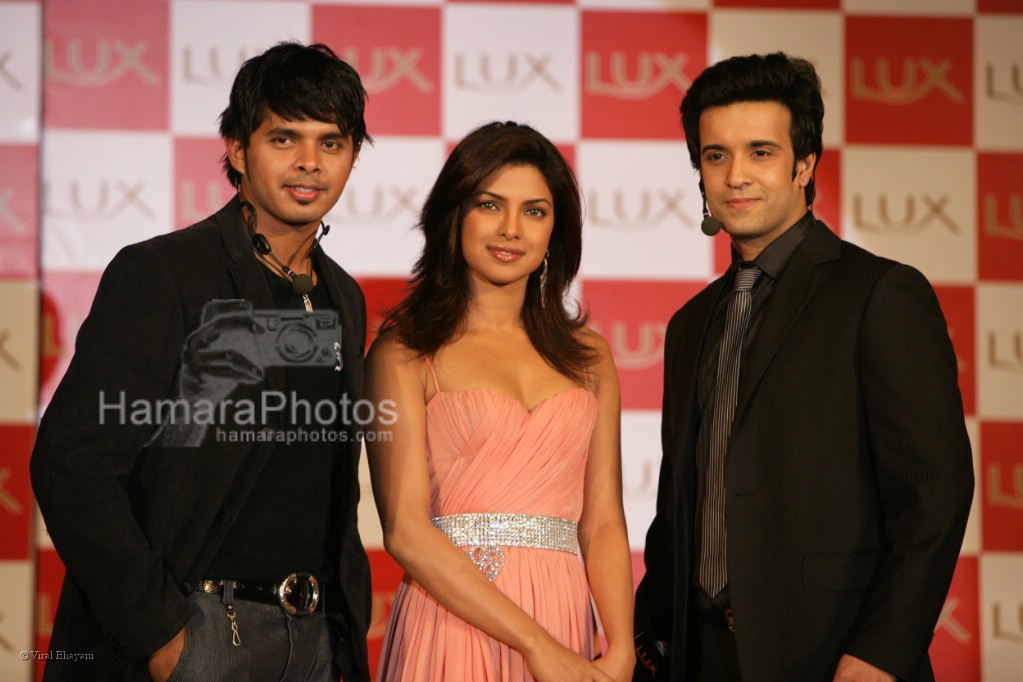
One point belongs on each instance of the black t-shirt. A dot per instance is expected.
(284, 524)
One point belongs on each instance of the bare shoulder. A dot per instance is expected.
(603, 367)
(388, 353)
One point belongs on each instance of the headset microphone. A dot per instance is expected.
(710, 225)
(301, 283)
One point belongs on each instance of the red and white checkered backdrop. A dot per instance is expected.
(108, 136)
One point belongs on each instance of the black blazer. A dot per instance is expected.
(848, 475)
(137, 525)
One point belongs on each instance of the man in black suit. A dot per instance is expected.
(197, 467)
(816, 474)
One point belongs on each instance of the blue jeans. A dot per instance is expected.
(274, 646)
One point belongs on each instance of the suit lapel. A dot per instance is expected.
(247, 274)
(798, 282)
(350, 345)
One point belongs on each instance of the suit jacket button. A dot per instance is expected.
(224, 517)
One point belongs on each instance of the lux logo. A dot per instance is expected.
(909, 224)
(996, 496)
(648, 349)
(103, 71)
(103, 207)
(645, 83)
(214, 75)
(5, 355)
(7, 215)
(999, 633)
(5, 73)
(913, 85)
(388, 66)
(7, 500)
(953, 627)
(994, 354)
(653, 209)
(190, 208)
(44, 607)
(646, 487)
(387, 204)
(534, 68)
(1014, 229)
(1015, 82)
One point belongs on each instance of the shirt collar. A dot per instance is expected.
(775, 255)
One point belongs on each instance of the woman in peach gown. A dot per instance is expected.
(498, 481)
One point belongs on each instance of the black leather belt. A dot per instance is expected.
(298, 594)
(720, 618)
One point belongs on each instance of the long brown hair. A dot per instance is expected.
(439, 290)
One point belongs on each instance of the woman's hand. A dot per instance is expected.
(618, 664)
(551, 662)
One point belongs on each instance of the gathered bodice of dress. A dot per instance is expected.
(488, 453)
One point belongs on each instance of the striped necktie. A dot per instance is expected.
(713, 561)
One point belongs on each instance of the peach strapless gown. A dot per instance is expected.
(488, 453)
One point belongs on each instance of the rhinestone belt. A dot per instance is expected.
(485, 534)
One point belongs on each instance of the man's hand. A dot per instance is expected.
(852, 669)
(165, 659)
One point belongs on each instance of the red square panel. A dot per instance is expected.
(67, 298)
(382, 294)
(957, 304)
(1001, 471)
(200, 185)
(19, 210)
(106, 64)
(781, 4)
(633, 317)
(635, 69)
(49, 578)
(386, 575)
(1007, 6)
(955, 649)
(397, 54)
(909, 80)
(15, 492)
(1000, 216)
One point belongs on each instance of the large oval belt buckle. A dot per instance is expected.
(490, 560)
(299, 594)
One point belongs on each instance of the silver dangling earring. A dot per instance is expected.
(543, 282)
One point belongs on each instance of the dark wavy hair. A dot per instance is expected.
(295, 82)
(774, 77)
(439, 291)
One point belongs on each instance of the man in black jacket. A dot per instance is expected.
(816, 474)
(197, 467)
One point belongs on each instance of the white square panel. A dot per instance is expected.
(643, 212)
(641, 466)
(914, 205)
(101, 192)
(654, 5)
(19, 350)
(374, 223)
(814, 36)
(1001, 615)
(20, 71)
(999, 351)
(205, 58)
(17, 641)
(998, 83)
(516, 63)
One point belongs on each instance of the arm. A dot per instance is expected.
(921, 457)
(401, 487)
(129, 345)
(602, 535)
